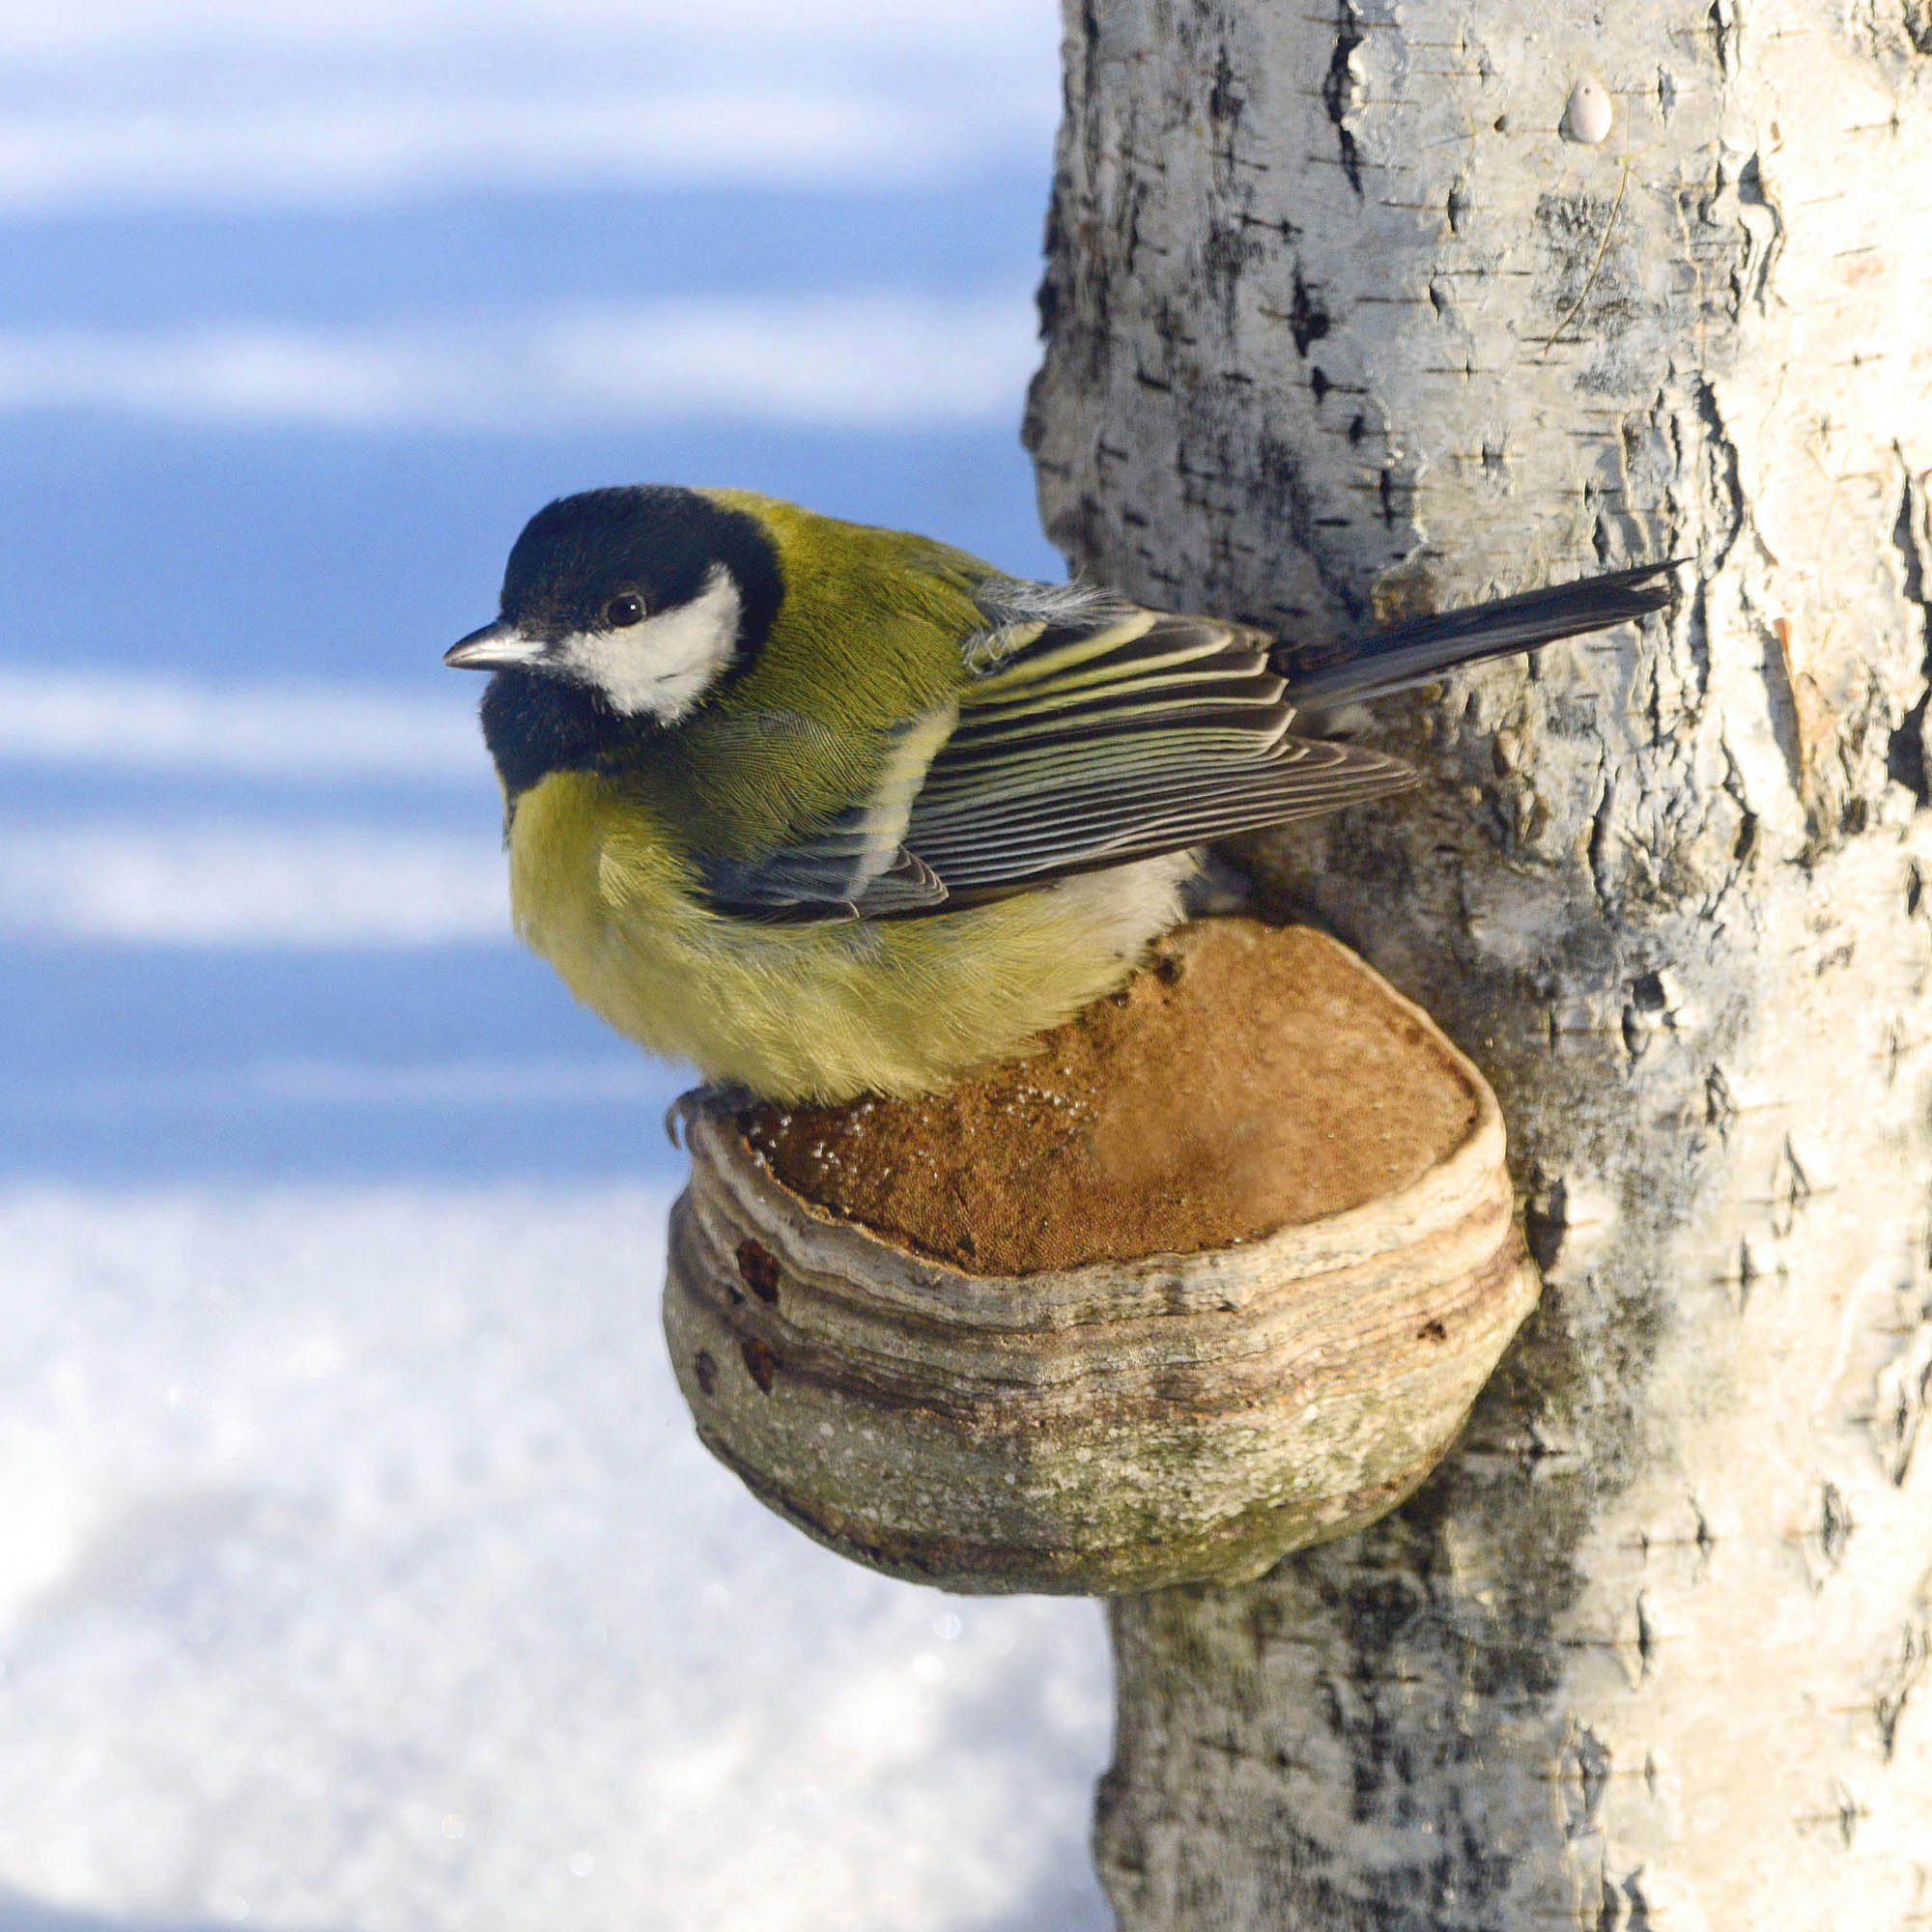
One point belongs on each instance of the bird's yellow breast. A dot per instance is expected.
(813, 1012)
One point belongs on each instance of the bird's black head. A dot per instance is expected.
(622, 609)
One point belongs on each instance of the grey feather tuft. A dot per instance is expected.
(1015, 608)
(1019, 600)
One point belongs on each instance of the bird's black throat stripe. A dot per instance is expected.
(535, 724)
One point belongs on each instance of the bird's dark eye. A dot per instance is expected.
(622, 609)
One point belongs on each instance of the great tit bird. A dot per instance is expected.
(830, 809)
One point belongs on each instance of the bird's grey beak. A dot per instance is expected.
(493, 647)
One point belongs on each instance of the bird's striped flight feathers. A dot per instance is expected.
(1090, 732)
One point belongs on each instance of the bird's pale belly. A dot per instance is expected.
(822, 1010)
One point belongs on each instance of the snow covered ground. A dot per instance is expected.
(358, 1569)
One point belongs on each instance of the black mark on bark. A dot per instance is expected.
(1723, 17)
(1646, 1640)
(1338, 88)
(1905, 755)
(1790, 1190)
(1225, 101)
(1755, 274)
(1747, 1273)
(1705, 1540)
(1307, 320)
(1914, 1650)
(1592, 284)
(1721, 1107)
(1625, 1907)
(1834, 1524)
(1724, 480)
(1588, 1763)
(1546, 1220)
(1387, 490)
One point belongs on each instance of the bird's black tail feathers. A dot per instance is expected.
(1424, 647)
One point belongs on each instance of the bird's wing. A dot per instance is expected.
(1089, 733)
(1094, 732)
(855, 865)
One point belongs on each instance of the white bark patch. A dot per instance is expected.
(665, 665)
(1588, 113)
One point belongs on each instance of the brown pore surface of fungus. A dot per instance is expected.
(1250, 1078)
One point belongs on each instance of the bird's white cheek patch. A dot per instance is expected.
(667, 663)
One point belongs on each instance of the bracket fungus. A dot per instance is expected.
(1216, 1272)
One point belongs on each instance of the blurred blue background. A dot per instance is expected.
(303, 309)
(291, 343)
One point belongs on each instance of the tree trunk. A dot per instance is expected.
(1341, 319)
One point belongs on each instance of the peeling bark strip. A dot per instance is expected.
(1338, 320)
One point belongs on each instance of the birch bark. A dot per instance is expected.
(1339, 318)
